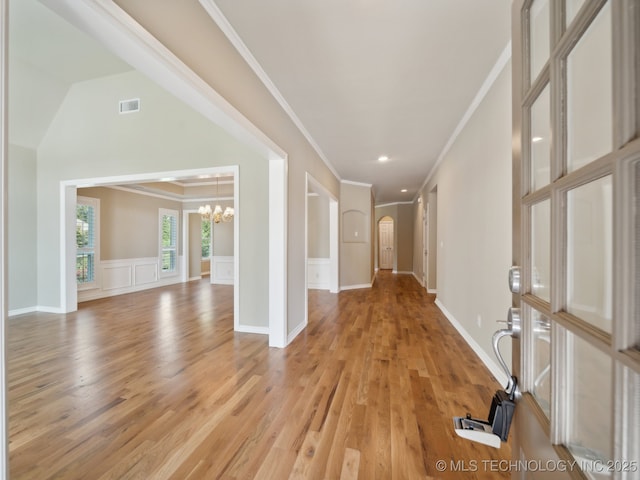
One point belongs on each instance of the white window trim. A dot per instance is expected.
(95, 203)
(174, 213)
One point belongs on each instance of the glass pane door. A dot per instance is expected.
(577, 233)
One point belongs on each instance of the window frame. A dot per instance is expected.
(165, 212)
(95, 204)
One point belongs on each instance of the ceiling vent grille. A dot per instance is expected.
(130, 106)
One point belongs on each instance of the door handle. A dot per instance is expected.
(513, 330)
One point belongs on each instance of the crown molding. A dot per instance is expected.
(358, 184)
(218, 17)
(391, 204)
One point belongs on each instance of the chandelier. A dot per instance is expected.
(216, 215)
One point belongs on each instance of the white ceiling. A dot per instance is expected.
(376, 77)
(364, 77)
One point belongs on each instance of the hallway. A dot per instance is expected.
(157, 385)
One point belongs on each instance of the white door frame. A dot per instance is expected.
(4, 145)
(334, 271)
(425, 246)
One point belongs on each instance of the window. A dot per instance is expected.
(168, 241)
(87, 241)
(206, 239)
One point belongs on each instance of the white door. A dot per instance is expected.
(576, 226)
(385, 245)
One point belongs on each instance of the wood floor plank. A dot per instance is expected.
(156, 384)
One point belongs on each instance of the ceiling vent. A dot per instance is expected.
(130, 106)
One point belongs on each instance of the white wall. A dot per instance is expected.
(22, 229)
(474, 219)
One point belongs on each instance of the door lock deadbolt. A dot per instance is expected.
(514, 279)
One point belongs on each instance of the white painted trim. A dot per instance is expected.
(49, 309)
(356, 287)
(392, 204)
(357, 184)
(193, 279)
(68, 282)
(4, 252)
(278, 197)
(162, 212)
(322, 270)
(416, 277)
(111, 180)
(218, 17)
(133, 284)
(174, 197)
(252, 329)
(334, 246)
(218, 260)
(184, 266)
(432, 290)
(504, 57)
(305, 318)
(493, 367)
(296, 332)
(402, 272)
(22, 311)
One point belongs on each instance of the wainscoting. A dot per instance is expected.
(222, 270)
(116, 277)
(318, 273)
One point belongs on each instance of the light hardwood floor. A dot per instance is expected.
(156, 385)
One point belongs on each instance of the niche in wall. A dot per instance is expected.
(354, 227)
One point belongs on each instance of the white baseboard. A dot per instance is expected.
(295, 332)
(21, 311)
(403, 273)
(47, 309)
(418, 279)
(252, 329)
(356, 287)
(193, 279)
(432, 290)
(493, 367)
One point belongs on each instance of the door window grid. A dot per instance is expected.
(558, 191)
(87, 241)
(168, 233)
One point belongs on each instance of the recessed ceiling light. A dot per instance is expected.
(404, 190)
(536, 139)
(383, 158)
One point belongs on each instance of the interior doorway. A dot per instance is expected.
(425, 247)
(385, 243)
(321, 241)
